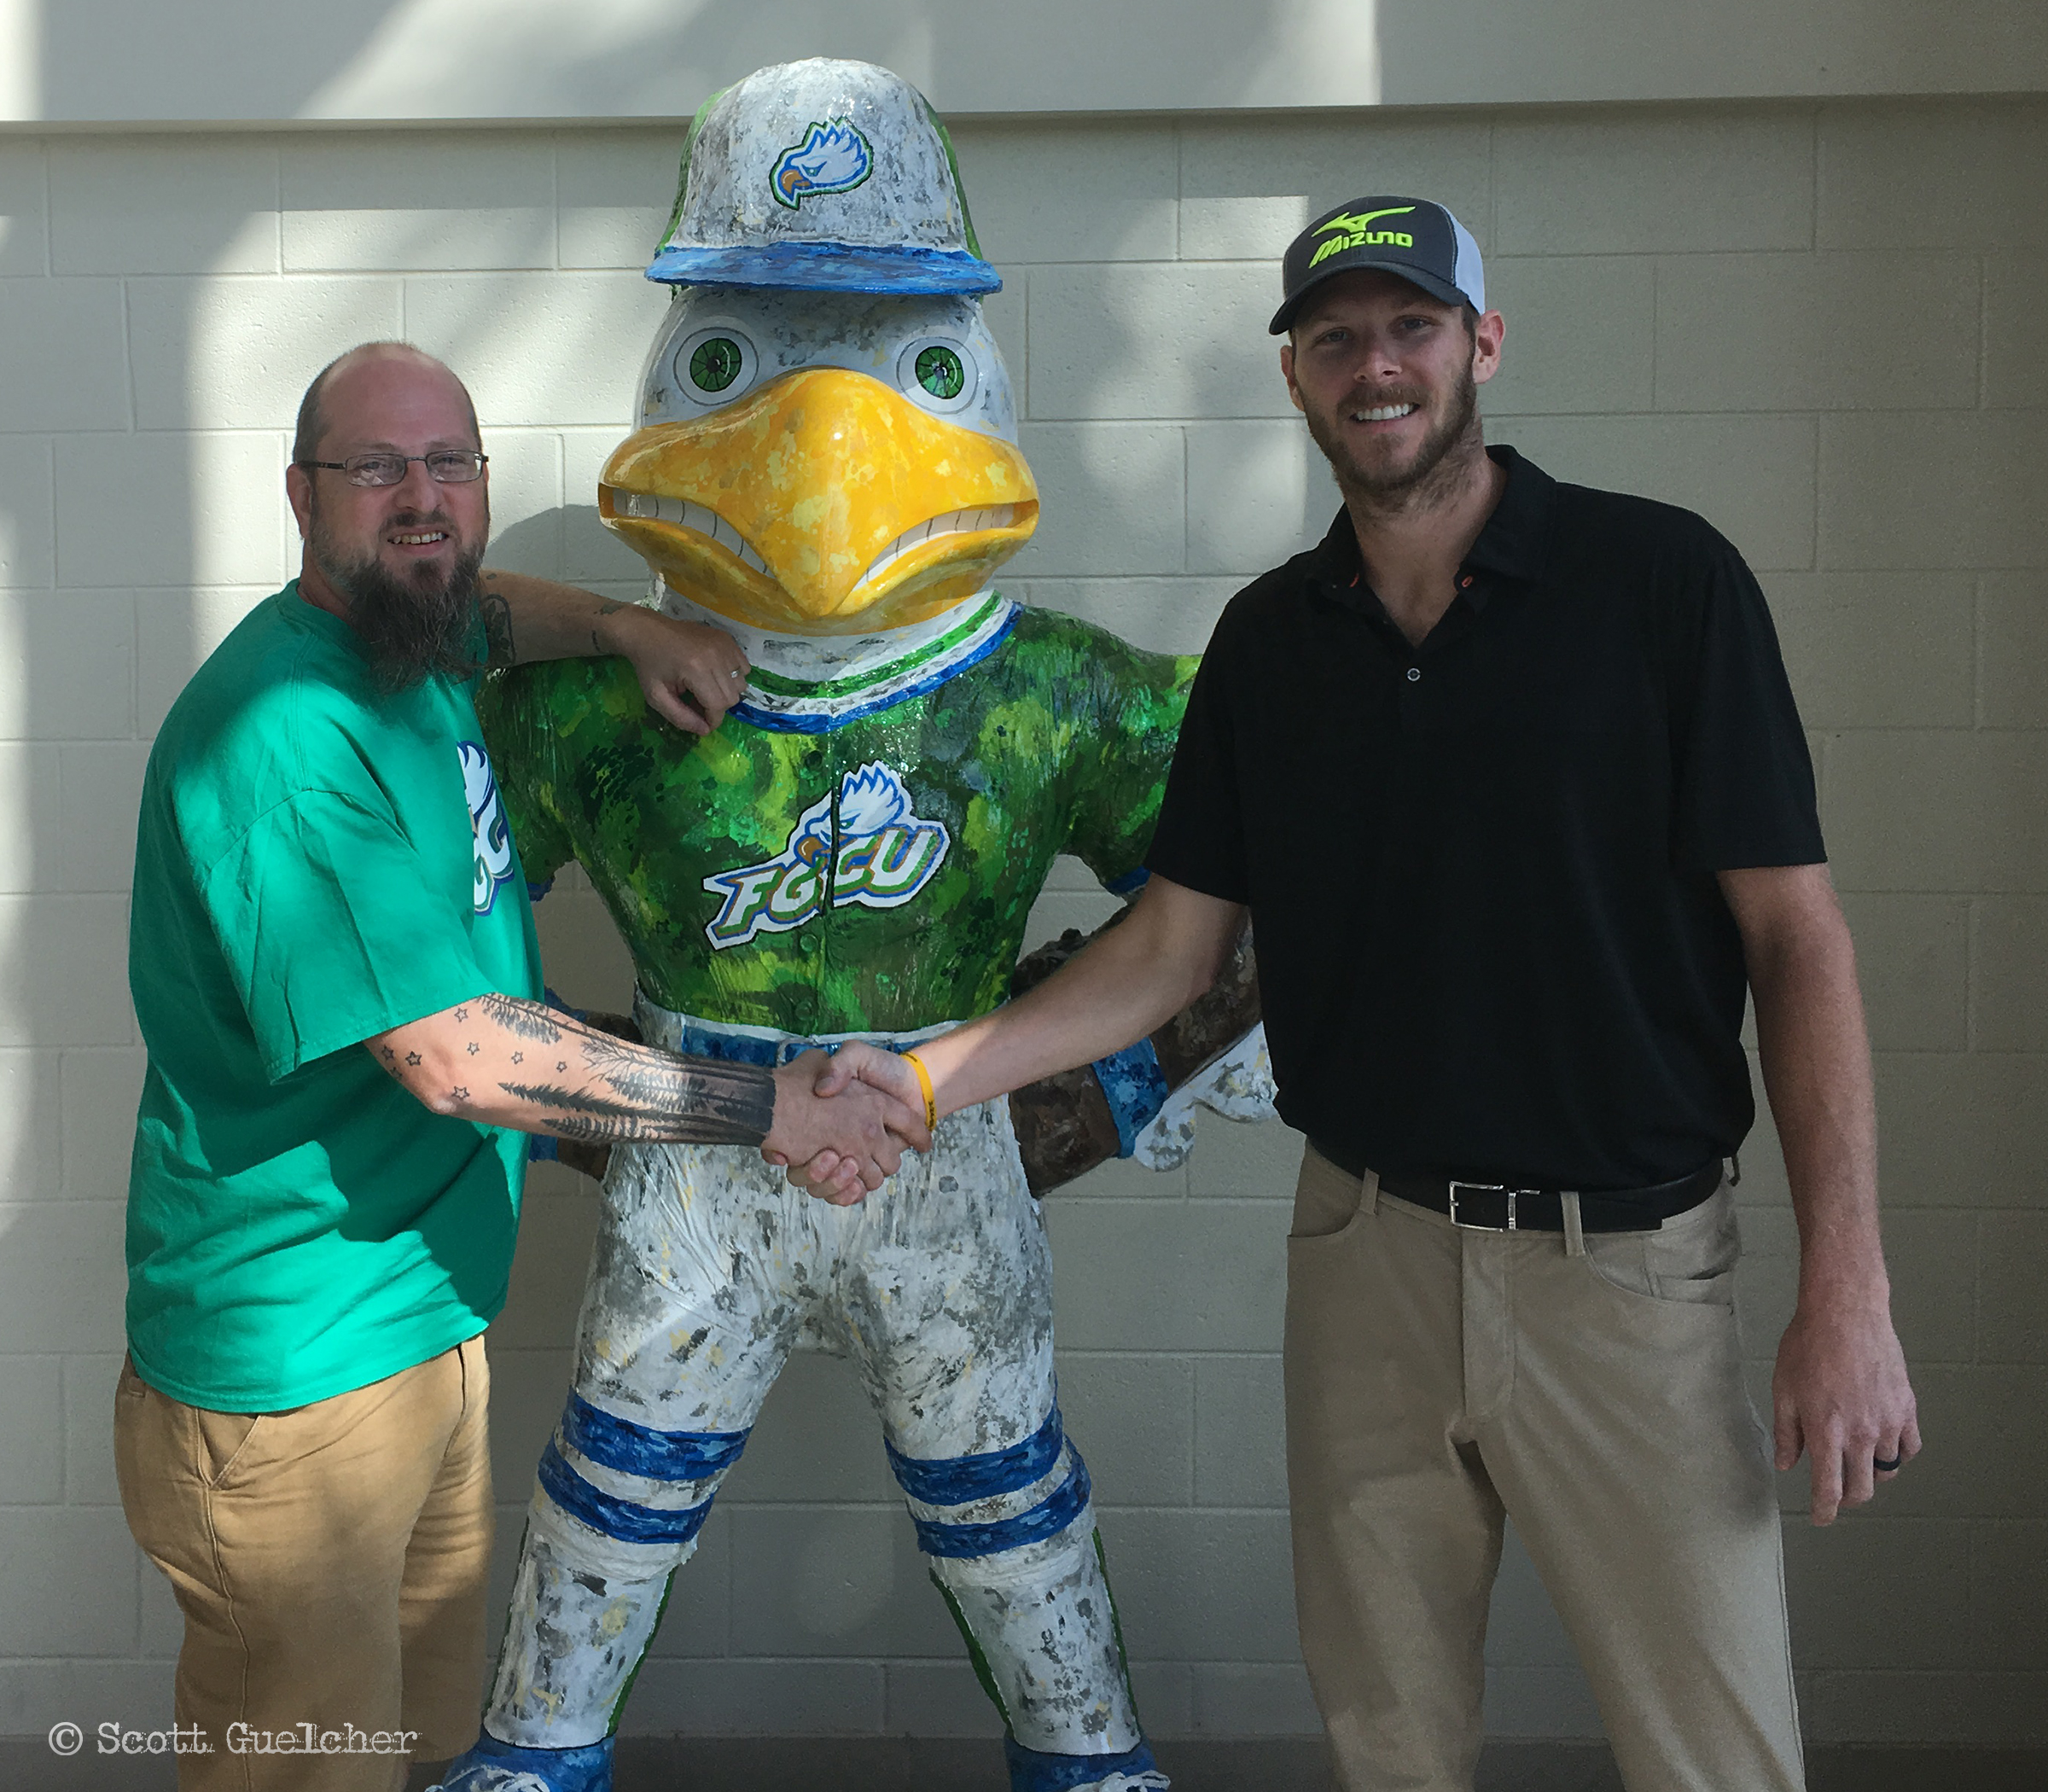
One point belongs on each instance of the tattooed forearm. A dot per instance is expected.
(528, 1019)
(606, 607)
(500, 649)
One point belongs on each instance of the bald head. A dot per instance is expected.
(377, 366)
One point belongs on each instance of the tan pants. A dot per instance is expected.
(331, 1563)
(1438, 1379)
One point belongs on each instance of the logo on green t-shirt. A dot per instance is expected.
(488, 818)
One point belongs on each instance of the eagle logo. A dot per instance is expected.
(833, 158)
(487, 823)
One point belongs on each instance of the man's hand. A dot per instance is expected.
(826, 1173)
(689, 672)
(848, 1136)
(1840, 1393)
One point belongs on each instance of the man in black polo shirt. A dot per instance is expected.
(1509, 775)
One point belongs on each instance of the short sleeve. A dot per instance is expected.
(1200, 841)
(334, 930)
(510, 707)
(1119, 774)
(1744, 784)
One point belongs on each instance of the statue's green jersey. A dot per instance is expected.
(847, 861)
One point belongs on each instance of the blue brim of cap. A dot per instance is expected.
(829, 267)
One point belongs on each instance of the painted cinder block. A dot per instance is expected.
(586, 962)
(239, 354)
(1962, 1131)
(2013, 373)
(66, 669)
(1637, 181)
(90, 1379)
(31, 1417)
(1927, 1708)
(27, 514)
(756, 1698)
(817, 1441)
(1154, 339)
(1751, 477)
(1256, 1699)
(697, 1626)
(1110, 499)
(1547, 1701)
(101, 785)
(1581, 334)
(64, 1278)
(1239, 1432)
(1132, 1418)
(1523, 1629)
(1208, 1277)
(176, 204)
(555, 1233)
(2009, 1595)
(1912, 959)
(1932, 490)
(35, 1693)
(61, 359)
(1245, 1160)
(2009, 979)
(71, 1586)
(833, 1581)
(1934, 1260)
(101, 1090)
(1259, 493)
(1161, 615)
(1912, 809)
(1804, 331)
(541, 350)
(1041, 194)
(2012, 1270)
(527, 1390)
(2012, 651)
(1877, 650)
(70, 971)
(419, 199)
(525, 501)
(24, 213)
(204, 509)
(937, 1698)
(1203, 1586)
(31, 1156)
(1283, 172)
(1957, 174)
(31, 846)
(613, 193)
(1985, 1454)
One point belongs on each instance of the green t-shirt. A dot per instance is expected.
(316, 862)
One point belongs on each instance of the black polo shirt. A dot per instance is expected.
(1481, 871)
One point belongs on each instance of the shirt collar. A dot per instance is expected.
(1515, 543)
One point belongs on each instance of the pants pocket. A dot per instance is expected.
(1688, 1262)
(1328, 1201)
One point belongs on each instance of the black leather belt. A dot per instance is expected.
(1499, 1206)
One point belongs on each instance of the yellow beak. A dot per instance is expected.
(825, 502)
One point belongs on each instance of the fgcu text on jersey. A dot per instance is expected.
(884, 856)
(487, 820)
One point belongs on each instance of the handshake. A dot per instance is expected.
(843, 1121)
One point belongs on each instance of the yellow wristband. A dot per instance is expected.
(924, 1082)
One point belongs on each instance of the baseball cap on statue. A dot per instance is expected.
(1415, 238)
(821, 176)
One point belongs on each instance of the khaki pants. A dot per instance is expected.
(1438, 1379)
(331, 1563)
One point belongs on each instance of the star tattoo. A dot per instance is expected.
(472, 1048)
(413, 1059)
(519, 1057)
(460, 1093)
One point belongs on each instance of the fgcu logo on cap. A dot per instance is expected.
(1356, 232)
(833, 158)
(885, 855)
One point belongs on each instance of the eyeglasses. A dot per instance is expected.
(444, 467)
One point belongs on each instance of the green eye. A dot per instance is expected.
(715, 363)
(939, 371)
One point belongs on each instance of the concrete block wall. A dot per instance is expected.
(1807, 323)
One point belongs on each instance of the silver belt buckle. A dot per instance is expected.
(1482, 1188)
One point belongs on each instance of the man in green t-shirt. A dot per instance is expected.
(318, 1233)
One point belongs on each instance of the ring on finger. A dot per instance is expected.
(1886, 1464)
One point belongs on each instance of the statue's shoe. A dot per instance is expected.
(494, 1767)
(1032, 1771)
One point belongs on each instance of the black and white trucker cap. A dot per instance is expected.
(1415, 238)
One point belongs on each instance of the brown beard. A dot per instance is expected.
(1434, 463)
(409, 627)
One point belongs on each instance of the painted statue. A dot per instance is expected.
(827, 466)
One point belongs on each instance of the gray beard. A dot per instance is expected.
(1437, 470)
(410, 628)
